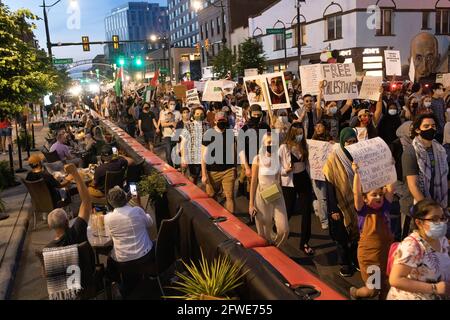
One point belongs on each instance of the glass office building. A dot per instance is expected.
(184, 30)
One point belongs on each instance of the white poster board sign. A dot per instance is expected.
(254, 86)
(374, 160)
(339, 81)
(318, 154)
(370, 89)
(250, 72)
(412, 71)
(393, 63)
(192, 97)
(277, 93)
(199, 85)
(310, 77)
(213, 91)
(444, 79)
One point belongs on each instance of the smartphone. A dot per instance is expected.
(133, 189)
(115, 151)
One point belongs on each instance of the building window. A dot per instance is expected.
(201, 33)
(386, 23)
(303, 35)
(334, 27)
(218, 25)
(425, 20)
(443, 21)
(279, 42)
(212, 28)
(206, 30)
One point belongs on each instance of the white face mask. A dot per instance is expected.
(283, 119)
(333, 110)
(427, 104)
(392, 112)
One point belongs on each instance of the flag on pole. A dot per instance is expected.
(154, 82)
(118, 84)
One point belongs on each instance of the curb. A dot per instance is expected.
(14, 251)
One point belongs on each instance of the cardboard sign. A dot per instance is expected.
(318, 154)
(192, 97)
(213, 91)
(180, 91)
(370, 89)
(255, 88)
(339, 81)
(310, 76)
(444, 79)
(250, 72)
(228, 86)
(277, 93)
(374, 159)
(393, 63)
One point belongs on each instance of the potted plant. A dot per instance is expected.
(153, 186)
(209, 281)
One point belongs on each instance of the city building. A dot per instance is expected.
(182, 23)
(134, 21)
(360, 29)
(225, 21)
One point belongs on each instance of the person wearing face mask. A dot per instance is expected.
(343, 222)
(438, 108)
(267, 212)
(295, 181)
(373, 210)
(218, 161)
(389, 124)
(282, 123)
(168, 119)
(421, 266)
(191, 141)
(306, 115)
(410, 110)
(366, 125)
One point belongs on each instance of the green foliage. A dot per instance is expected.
(251, 55)
(22, 142)
(26, 73)
(217, 279)
(154, 185)
(225, 61)
(2, 204)
(6, 176)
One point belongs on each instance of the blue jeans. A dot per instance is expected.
(320, 205)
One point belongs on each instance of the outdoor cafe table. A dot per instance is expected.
(101, 244)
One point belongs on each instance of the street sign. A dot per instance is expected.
(164, 70)
(63, 61)
(289, 35)
(275, 31)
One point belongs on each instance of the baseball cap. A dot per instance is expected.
(220, 116)
(35, 158)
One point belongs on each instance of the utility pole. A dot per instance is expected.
(299, 35)
(47, 31)
(224, 38)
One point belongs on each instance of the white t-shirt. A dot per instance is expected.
(127, 227)
(163, 115)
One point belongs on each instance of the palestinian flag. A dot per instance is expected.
(118, 84)
(154, 82)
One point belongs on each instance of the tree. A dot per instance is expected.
(251, 55)
(26, 73)
(224, 62)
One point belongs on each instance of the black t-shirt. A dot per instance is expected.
(50, 181)
(76, 234)
(310, 124)
(147, 121)
(261, 129)
(100, 172)
(220, 164)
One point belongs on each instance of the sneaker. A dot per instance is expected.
(346, 271)
(324, 226)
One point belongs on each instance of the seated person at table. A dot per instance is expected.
(62, 150)
(128, 227)
(90, 156)
(54, 186)
(110, 162)
(59, 221)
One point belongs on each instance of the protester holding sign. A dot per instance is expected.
(389, 123)
(306, 115)
(366, 124)
(296, 182)
(373, 209)
(342, 215)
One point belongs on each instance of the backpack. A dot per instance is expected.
(391, 255)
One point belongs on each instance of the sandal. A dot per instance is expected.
(308, 250)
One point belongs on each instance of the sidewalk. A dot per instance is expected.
(13, 230)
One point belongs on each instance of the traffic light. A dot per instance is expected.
(97, 72)
(197, 47)
(138, 61)
(206, 44)
(85, 41)
(121, 61)
(115, 40)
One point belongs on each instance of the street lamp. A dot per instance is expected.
(47, 31)
(166, 41)
(299, 33)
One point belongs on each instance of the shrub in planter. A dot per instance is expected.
(7, 178)
(22, 142)
(153, 185)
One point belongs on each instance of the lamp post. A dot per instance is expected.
(166, 41)
(299, 33)
(47, 31)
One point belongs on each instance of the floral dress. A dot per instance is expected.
(428, 265)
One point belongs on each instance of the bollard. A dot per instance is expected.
(27, 143)
(21, 169)
(33, 142)
(11, 159)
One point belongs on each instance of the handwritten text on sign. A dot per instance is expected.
(393, 63)
(339, 81)
(370, 89)
(310, 76)
(374, 160)
(318, 155)
(192, 97)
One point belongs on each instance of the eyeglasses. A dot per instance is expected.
(437, 219)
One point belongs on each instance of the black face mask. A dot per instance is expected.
(269, 149)
(428, 134)
(415, 105)
(222, 125)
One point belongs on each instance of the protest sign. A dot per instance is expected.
(250, 72)
(277, 96)
(392, 63)
(192, 97)
(180, 91)
(318, 154)
(339, 81)
(412, 71)
(310, 76)
(254, 87)
(370, 89)
(213, 91)
(444, 79)
(374, 160)
(228, 86)
(199, 85)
